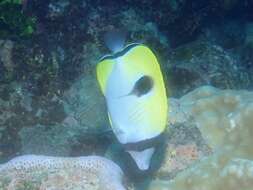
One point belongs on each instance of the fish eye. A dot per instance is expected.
(143, 86)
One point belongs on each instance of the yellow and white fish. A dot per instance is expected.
(133, 86)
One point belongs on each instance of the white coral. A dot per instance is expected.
(91, 172)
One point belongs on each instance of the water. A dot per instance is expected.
(51, 103)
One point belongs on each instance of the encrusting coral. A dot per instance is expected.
(43, 172)
(224, 118)
(178, 158)
(215, 172)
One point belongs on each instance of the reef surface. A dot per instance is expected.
(50, 102)
(224, 119)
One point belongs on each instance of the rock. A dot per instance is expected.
(229, 4)
(57, 9)
(142, 31)
(85, 118)
(54, 124)
(6, 47)
(249, 34)
(224, 118)
(65, 173)
(55, 141)
(86, 105)
(184, 146)
(6, 60)
(204, 63)
(228, 34)
(177, 158)
(15, 112)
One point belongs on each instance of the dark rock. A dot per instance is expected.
(203, 63)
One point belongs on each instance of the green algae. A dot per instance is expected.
(13, 20)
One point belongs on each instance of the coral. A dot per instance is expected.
(43, 172)
(224, 118)
(177, 158)
(212, 173)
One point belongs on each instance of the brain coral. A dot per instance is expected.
(43, 172)
(224, 118)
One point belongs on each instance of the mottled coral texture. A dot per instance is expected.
(42, 172)
(224, 118)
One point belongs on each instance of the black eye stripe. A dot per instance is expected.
(143, 86)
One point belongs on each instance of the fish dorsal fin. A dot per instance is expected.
(115, 40)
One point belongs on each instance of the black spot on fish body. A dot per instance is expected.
(143, 86)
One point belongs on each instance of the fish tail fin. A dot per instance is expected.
(115, 40)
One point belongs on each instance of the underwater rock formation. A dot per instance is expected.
(204, 63)
(224, 118)
(184, 146)
(249, 33)
(85, 115)
(29, 124)
(84, 103)
(6, 54)
(43, 172)
(6, 63)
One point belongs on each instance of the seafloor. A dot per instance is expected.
(51, 105)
